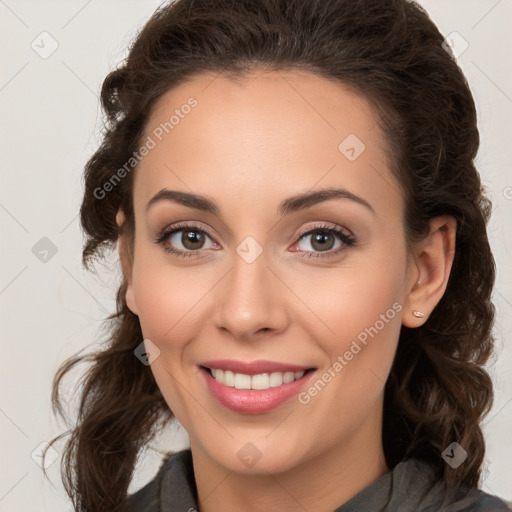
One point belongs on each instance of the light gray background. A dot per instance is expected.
(50, 122)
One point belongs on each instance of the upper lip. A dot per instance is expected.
(253, 367)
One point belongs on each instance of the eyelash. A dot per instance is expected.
(348, 240)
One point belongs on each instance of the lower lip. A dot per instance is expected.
(254, 401)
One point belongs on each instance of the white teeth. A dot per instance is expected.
(288, 377)
(260, 381)
(242, 381)
(276, 379)
(228, 378)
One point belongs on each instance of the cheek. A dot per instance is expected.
(357, 320)
(367, 325)
(169, 302)
(364, 319)
(366, 308)
(166, 315)
(348, 300)
(168, 298)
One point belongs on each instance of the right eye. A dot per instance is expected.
(190, 237)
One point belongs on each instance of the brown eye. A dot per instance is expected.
(323, 240)
(192, 239)
(185, 240)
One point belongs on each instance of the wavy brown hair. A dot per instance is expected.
(392, 54)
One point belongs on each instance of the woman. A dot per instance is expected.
(306, 269)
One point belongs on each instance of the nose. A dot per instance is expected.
(251, 300)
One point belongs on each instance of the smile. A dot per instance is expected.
(250, 389)
(259, 381)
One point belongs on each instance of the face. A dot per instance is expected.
(255, 271)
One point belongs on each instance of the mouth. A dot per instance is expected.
(259, 381)
(254, 393)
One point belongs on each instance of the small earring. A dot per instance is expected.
(418, 314)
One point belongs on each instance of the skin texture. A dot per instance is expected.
(248, 145)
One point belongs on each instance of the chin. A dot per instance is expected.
(256, 457)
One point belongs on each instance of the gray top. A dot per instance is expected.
(410, 486)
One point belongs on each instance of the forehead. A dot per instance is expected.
(271, 133)
(274, 107)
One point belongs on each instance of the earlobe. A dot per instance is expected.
(432, 260)
(125, 259)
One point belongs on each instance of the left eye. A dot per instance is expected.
(323, 240)
(319, 240)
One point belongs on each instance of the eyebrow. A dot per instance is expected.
(288, 206)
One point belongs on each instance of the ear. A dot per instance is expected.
(431, 263)
(126, 259)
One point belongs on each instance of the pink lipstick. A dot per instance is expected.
(254, 387)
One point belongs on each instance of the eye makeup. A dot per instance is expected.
(323, 231)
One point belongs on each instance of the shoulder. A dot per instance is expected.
(417, 481)
(488, 503)
(147, 498)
